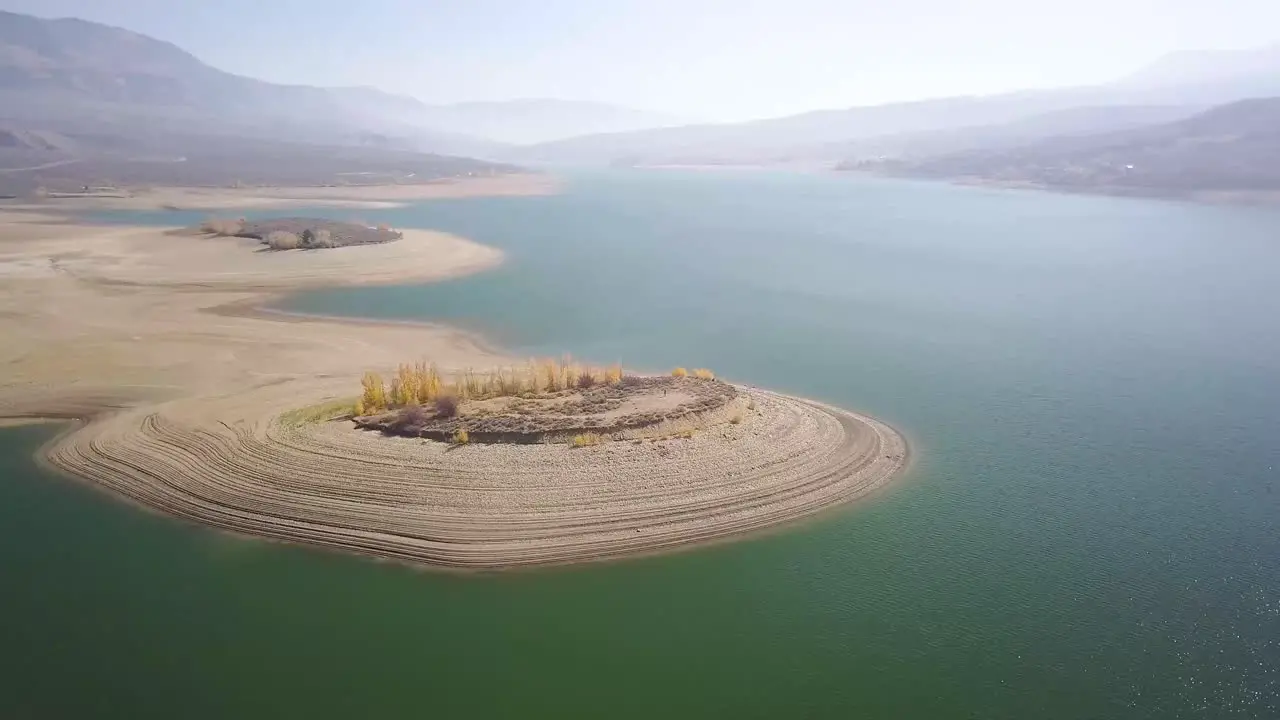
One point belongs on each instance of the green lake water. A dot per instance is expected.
(1091, 387)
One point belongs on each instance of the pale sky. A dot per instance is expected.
(699, 59)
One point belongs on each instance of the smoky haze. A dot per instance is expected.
(710, 60)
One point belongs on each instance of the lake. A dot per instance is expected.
(1091, 388)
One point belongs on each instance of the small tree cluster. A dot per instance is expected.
(422, 383)
(416, 384)
(317, 239)
(373, 396)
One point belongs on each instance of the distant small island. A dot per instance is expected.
(300, 233)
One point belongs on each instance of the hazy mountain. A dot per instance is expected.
(1172, 87)
(83, 103)
(508, 121)
(1199, 67)
(538, 120)
(1073, 121)
(34, 140)
(1234, 147)
(89, 87)
(59, 73)
(751, 140)
(74, 75)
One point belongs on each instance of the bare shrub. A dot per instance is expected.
(280, 240)
(411, 420)
(446, 406)
(586, 380)
(223, 226)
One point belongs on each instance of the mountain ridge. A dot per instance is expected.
(1229, 148)
(83, 65)
(803, 133)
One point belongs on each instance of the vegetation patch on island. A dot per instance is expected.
(300, 233)
(545, 401)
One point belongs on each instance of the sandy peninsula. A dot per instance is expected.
(189, 399)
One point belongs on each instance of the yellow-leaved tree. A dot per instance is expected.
(374, 395)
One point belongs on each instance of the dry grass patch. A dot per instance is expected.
(322, 412)
(587, 440)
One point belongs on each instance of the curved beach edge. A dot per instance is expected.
(219, 462)
(183, 387)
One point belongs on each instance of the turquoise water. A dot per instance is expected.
(1089, 529)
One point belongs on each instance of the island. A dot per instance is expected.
(299, 233)
(496, 469)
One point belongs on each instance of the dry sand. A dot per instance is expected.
(353, 196)
(97, 318)
(153, 339)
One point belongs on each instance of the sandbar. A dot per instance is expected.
(185, 391)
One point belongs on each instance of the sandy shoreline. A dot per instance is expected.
(348, 196)
(480, 507)
(163, 345)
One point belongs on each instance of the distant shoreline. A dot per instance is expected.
(339, 196)
(1213, 197)
(1259, 198)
